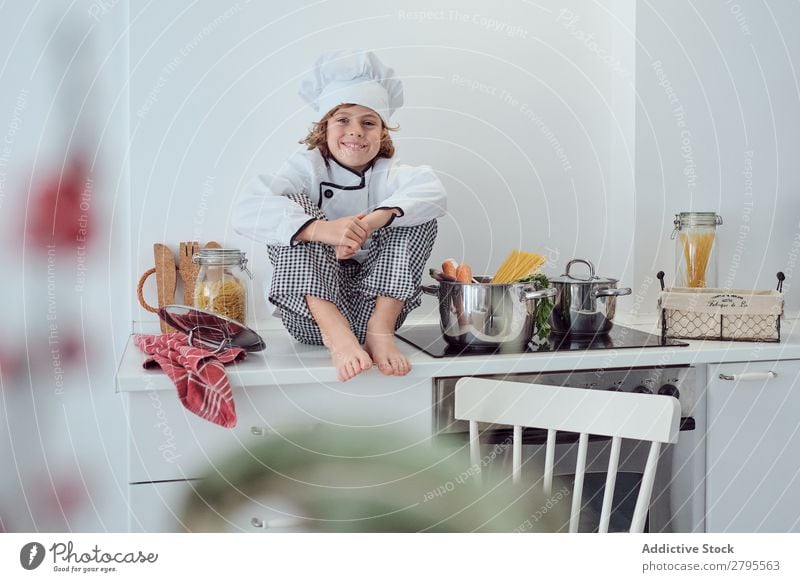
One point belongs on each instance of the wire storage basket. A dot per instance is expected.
(747, 315)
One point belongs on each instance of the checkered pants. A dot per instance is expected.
(393, 268)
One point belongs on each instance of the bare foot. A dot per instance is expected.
(385, 353)
(348, 357)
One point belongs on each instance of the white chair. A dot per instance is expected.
(618, 415)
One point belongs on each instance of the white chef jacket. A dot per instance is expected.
(263, 212)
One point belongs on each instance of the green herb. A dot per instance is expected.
(544, 307)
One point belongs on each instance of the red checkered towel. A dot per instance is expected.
(198, 374)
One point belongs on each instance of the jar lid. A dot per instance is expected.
(211, 330)
(222, 258)
(219, 257)
(697, 219)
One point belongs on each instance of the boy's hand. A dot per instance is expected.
(377, 219)
(344, 253)
(348, 231)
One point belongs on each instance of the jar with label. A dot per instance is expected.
(221, 286)
(695, 257)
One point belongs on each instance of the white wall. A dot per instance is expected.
(716, 129)
(518, 106)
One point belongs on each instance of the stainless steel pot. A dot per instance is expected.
(584, 305)
(486, 315)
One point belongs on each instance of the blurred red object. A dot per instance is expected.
(59, 211)
(61, 495)
(11, 365)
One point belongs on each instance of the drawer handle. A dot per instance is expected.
(748, 376)
(261, 431)
(277, 523)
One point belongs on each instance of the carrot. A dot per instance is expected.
(464, 273)
(449, 267)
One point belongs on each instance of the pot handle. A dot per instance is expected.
(540, 294)
(613, 292)
(586, 262)
(430, 290)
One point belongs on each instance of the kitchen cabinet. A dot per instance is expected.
(170, 449)
(289, 386)
(752, 439)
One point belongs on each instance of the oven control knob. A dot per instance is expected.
(642, 390)
(669, 390)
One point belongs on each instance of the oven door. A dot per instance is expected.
(677, 503)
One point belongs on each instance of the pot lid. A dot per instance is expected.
(590, 279)
(211, 330)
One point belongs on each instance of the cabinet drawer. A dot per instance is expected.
(167, 442)
(162, 508)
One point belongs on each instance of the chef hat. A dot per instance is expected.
(350, 76)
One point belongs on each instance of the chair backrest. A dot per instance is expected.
(618, 415)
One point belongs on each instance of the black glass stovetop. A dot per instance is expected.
(428, 338)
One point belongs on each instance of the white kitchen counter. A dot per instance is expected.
(291, 387)
(286, 362)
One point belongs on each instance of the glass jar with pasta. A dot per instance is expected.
(695, 257)
(221, 286)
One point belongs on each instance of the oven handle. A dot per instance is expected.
(748, 376)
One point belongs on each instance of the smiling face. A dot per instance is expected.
(354, 136)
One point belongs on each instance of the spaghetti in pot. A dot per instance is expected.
(518, 265)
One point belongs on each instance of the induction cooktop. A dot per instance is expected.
(428, 338)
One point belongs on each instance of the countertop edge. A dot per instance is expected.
(297, 364)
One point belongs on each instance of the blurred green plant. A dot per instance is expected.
(367, 480)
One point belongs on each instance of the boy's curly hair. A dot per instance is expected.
(318, 135)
